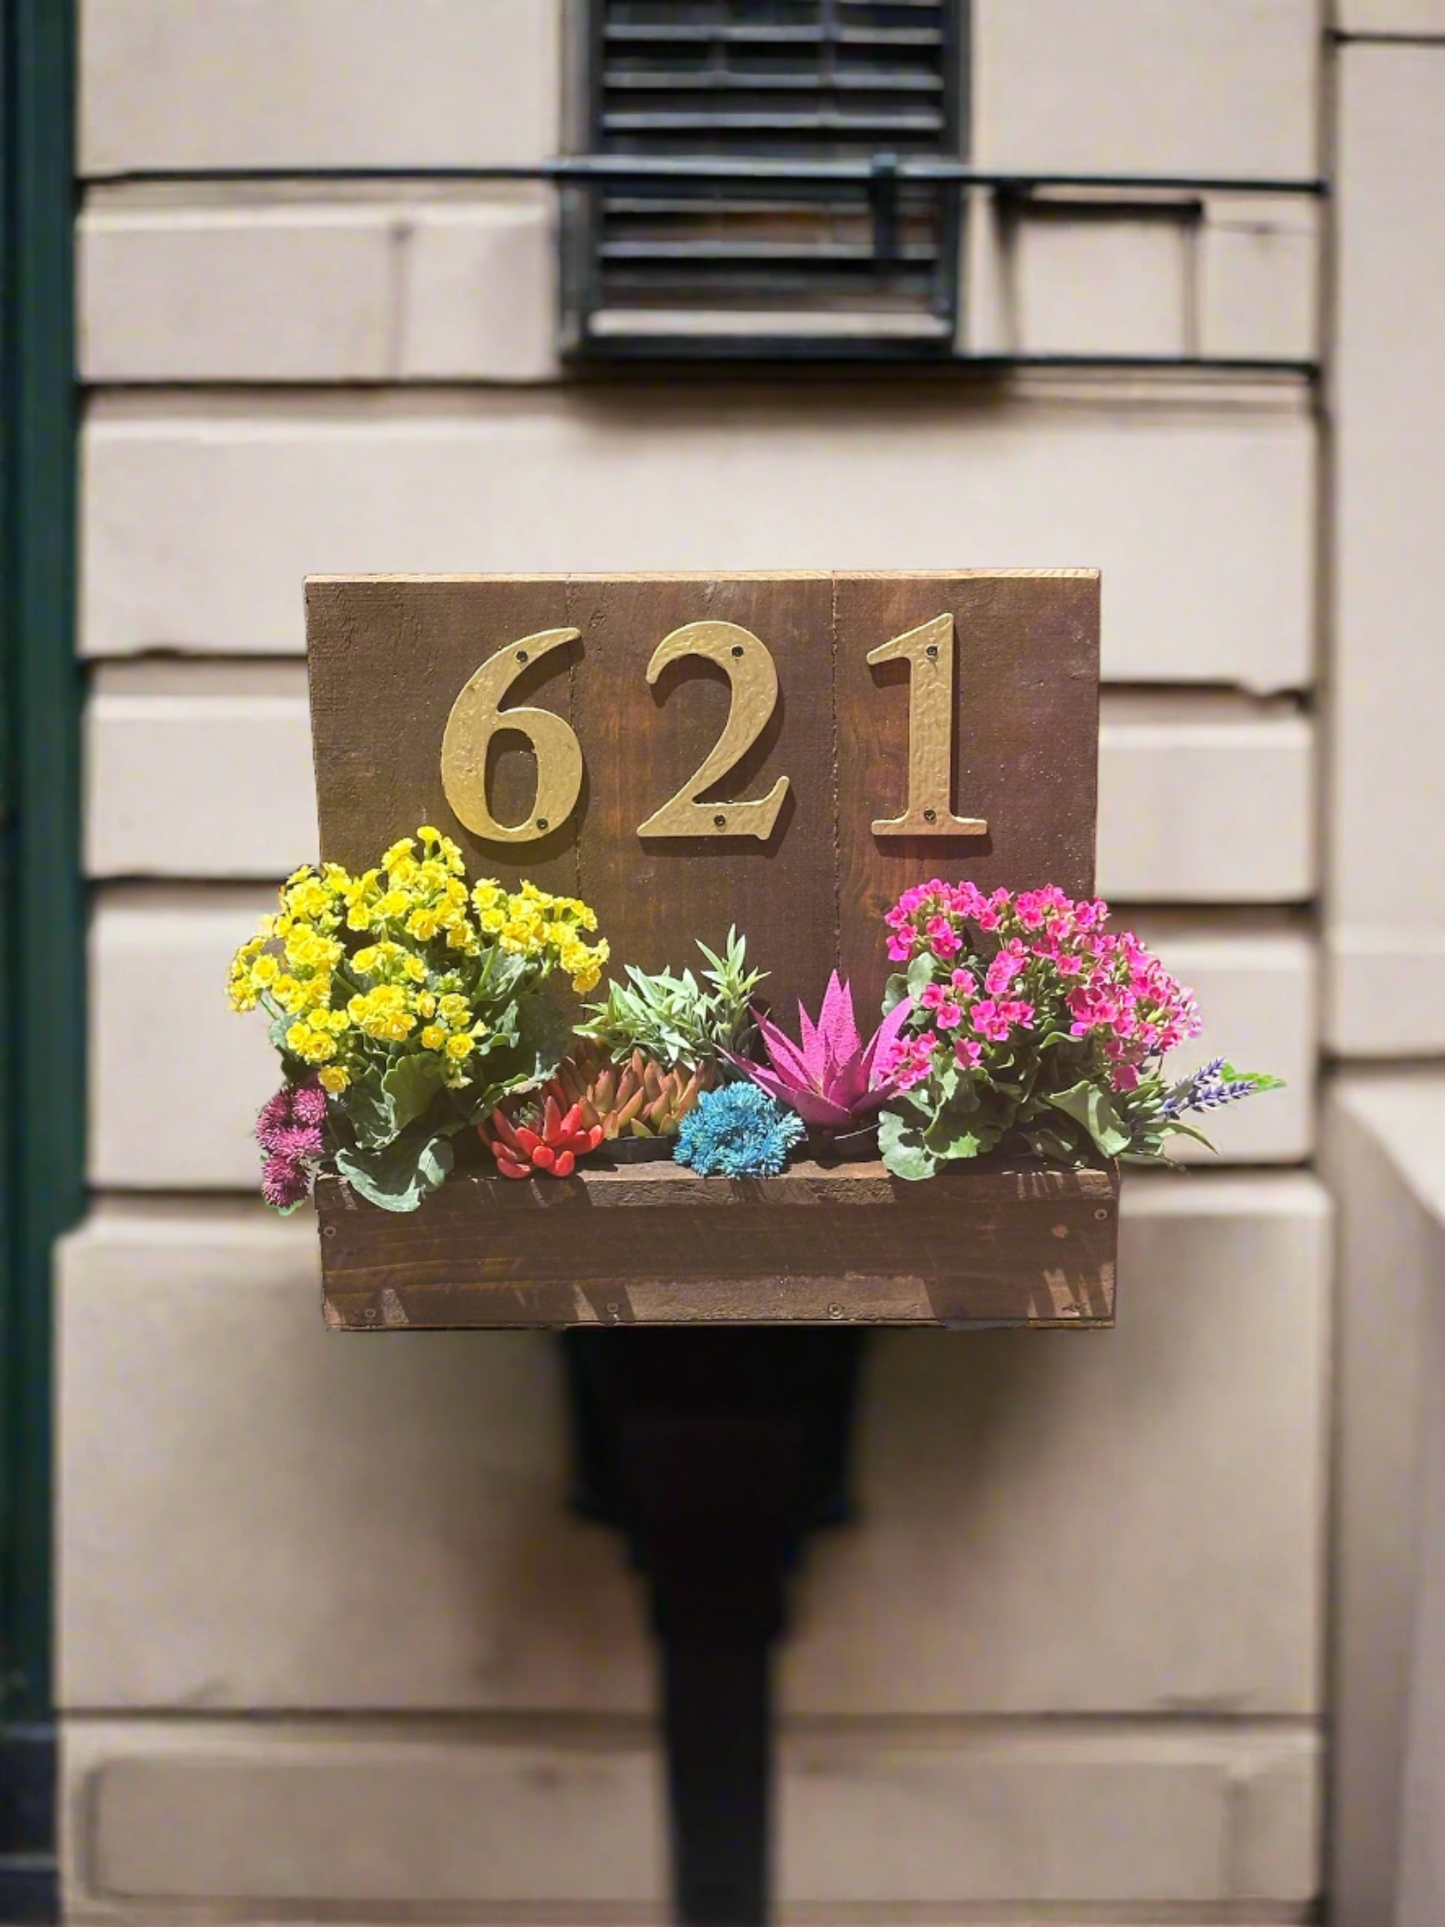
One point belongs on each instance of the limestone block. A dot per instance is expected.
(157, 972)
(423, 1819)
(306, 1522)
(1127, 1523)
(1256, 984)
(317, 83)
(1386, 914)
(1070, 274)
(1384, 1132)
(1408, 17)
(976, 1572)
(203, 514)
(282, 293)
(1185, 782)
(200, 769)
(1205, 798)
(1259, 274)
(480, 293)
(1146, 87)
(1132, 1815)
(416, 1817)
(1098, 281)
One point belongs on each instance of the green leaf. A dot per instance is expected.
(1261, 1080)
(410, 1085)
(1174, 1127)
(901, 1146)
(948, 1138)
(398, 1176)
(368, 1110)
(542, 1038)
(894, 992)
(1051, 1141)
(954, 1088)
(277, 1031)
(920, 975)
(1094, 1109)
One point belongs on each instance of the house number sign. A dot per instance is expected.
(477, 716)
(783, 752)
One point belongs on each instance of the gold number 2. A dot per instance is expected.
(928, 651)
(477, 716)
(754, 679)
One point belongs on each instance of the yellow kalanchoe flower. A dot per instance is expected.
(358, 973)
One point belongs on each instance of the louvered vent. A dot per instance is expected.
(765, 265)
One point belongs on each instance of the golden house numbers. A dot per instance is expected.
(477, 716)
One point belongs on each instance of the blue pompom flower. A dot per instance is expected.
(737, 1132)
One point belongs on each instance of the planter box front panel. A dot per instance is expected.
(1008, 1243)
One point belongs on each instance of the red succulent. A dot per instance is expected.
(549, 1141)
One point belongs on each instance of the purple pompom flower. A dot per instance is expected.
(283, 1182)
(275, 1116)
(293, 1105)
(297, 1141)
(308, 1104)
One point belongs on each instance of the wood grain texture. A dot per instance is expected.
(642, 743)
(1025, 745)
(388, 656)
(1004, 1243)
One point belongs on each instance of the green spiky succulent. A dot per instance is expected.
(675, 1020)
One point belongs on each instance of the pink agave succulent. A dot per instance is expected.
(830, 1079)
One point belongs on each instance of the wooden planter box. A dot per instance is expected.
(1007, 1242)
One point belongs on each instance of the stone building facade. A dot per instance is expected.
(330, 1646)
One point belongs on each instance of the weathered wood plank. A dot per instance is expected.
(388, 657)
(654, 894)
(1025, 740)
(1008, 1243)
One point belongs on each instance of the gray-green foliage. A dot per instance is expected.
(394, 1129)
(676, 1019)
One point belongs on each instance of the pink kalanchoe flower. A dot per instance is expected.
(910, 1060)
(943, 938)
(283, 1182)
(968, 1051)
(1004, 968)
(989, 1020)
(832, 1078)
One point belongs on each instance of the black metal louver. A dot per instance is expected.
(673, 263)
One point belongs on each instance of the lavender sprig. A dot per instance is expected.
(1213, 1084)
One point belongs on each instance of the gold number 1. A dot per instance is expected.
(928, 651)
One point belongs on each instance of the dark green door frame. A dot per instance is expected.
(41, 894)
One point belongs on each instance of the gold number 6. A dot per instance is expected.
(754, 681)
(477, 716)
